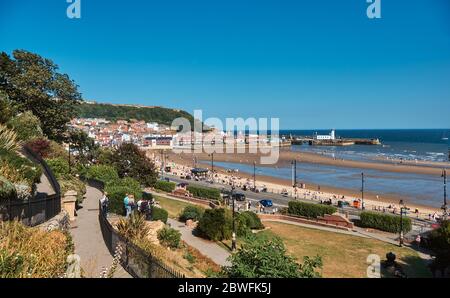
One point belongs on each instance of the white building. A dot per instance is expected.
(331, 136)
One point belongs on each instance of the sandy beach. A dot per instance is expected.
(186, 161)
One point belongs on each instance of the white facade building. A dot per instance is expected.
(331, 136)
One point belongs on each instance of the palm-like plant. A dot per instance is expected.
(8, 139)
(133, 228)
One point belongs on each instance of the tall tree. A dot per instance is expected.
(130, 161)
(33, 83)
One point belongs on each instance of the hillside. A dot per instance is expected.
(115, 112)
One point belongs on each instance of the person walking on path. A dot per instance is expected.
(104, 203)
(126, 203)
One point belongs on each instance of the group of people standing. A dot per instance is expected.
(142, 206)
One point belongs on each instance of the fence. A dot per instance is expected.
(137, 262)
(34, 211)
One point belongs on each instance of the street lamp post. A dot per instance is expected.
(70, 168)
(444, 207)
(294, 173)
(362, 191)
(233, 241)
(212, 163)
(402, 206)
(254, 176)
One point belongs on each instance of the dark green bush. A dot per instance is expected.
(384, 222)
(165, 185)
(251, 220)
(204, 192)
(59, 167)
(27, 170)
(7, 190)
(117, 191)
(192, 212)
(159, 214)
(216, 224)
(169, 237)
(147, 196)
(309, 210)
(103, 173)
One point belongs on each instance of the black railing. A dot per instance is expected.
(137, 262)
(38, 210)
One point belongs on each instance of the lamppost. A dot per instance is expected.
(402, 209)
(70, 167)
(254, 176)
(294, 173)
(362, 191)
(233, 241)
(444, 207)
(212, 163)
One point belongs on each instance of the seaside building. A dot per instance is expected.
(329, 137)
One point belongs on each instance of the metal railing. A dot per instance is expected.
(38, 210)
(137, 262)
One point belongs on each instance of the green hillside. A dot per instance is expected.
(126, 112)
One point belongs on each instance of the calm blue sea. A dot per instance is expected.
(411, 144)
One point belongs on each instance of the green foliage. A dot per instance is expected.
(169, 237)
(115, 112)
(7, 190)
(27, 126)
(204, 192)
(9, 140)
(263, 257)
(251, 220)
(117, 191)
(192, 212)
(309, 210)
(216, 224)
(40, 146)
(439, 242)
(59, 167)
(165, 185)
(18, 169)
(6, 108)
(70, 182)
(104, 173)
(84, 145)
(147, 196)
(134, 227)
(384, 222)
(33, 83)
(159, 214)
(129, 161)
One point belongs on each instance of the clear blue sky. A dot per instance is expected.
(314, 64)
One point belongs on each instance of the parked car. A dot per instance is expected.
(239, 197)
(266, 203)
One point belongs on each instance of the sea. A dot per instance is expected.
(413, 144)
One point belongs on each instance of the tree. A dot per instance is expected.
(216, 224)
(81, 142)
(440, 243)
(33, 83)
(264, 257)
(6, 108)
(132, 162)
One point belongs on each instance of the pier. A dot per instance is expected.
(331, 140)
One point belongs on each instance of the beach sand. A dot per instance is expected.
(327, 191)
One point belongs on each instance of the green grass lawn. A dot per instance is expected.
(343, 255)
(174, 207)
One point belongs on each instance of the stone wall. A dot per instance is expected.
(59, 222)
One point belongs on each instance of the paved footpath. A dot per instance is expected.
(88, 239)
(208, 248)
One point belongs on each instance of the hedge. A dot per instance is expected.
(216, 224)
(117, 191)
(384, 222)
(194, 213)
(251, 220)
(204, 192)
(309, 210)
(165, 185)
(103, 173)
(159, 214)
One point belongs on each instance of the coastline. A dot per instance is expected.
(187, 160)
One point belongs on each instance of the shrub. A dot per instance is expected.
(251, 220)
(204, 192)
(133, 227)
(103, 173)
(59, 167)
(169, 237)
(147, 196)
(27, 126)
(7, 190)
(192, 212)
(8, 139)
(216, 224)
(159, 214)
(18, 169)
(40, 146)
(23, 191)
(309, 210)
(72, 183)
(117, 191)
(384, 222)
(165, 185)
